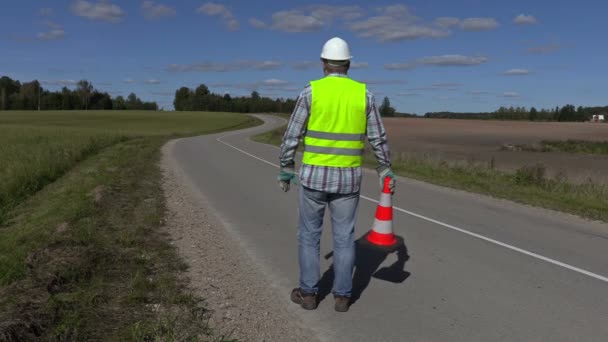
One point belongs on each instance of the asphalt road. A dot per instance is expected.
(477, 268)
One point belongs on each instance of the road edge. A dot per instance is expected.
(241, 299)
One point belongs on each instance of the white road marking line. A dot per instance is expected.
(247, 153)
(449, 226)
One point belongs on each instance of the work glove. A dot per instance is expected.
(285, 176)
(383, 172)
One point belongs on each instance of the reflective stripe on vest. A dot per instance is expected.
(335, 136)
(337, 123)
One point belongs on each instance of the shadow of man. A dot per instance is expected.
(368, 259)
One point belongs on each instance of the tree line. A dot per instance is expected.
(15, 95)
(567, 113)
(201, 99)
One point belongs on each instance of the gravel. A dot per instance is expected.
(242, 302)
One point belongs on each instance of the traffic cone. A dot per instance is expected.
(381, 233)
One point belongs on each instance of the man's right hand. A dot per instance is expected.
(285, 176)
(383, 172)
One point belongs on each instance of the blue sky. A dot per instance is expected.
(457, 55)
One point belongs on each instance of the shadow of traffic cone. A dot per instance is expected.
(381, 233)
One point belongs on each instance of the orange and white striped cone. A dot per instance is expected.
(381, 233)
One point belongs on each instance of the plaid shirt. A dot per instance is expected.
(342, 180)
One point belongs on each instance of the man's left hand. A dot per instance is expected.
(286, 175)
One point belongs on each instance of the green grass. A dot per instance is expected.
(38, 147)
(528, 185)
(570, 146)
(82, 253)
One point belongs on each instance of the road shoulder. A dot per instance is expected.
(243, 302)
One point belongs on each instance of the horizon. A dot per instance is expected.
(462, 56)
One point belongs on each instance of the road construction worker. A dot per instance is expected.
(334, 115)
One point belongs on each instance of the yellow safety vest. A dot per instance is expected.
(337, 123)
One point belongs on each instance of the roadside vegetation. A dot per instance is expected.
(569, 146)
(528, 185)
(82, 252)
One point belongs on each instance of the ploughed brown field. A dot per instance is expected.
(467, 141)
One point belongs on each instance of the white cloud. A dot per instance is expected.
(510, 94)
(225, 67)
(396, 23)
(152, 81)
(407, 93)
(359, 65)
(269, 84)
(257, 23)
(102, 10)
(525, 19)
(383, 82)
(153, 10)
(329, 12)
(479, 24)
(480, 92)
(274, 82)
(129, 81)
(54, 32)
(468, 24)
(386, 24)
(306, 65)
(453, 60)
(45, 12)
(446, 85)
(444, 60)
(313, 18)
(214, 9)
(263, 65)
(516, 72)
(400, 66)
(447, 22)
(292, 21)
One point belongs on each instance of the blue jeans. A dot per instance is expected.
(343, 209)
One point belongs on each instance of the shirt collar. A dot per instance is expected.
(336, 75)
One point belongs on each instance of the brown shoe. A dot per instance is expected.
(308, 301)
(342, 303)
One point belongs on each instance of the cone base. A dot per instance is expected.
(381, 239)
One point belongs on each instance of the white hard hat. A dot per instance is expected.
(336, 49)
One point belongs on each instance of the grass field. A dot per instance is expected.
(528, 184)
(463, 141)
(569, 146)
(82, 253)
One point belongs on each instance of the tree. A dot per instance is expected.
(567, 113)
(201, 90)
(28, 97)
(182, 99)
(386, 109)
(8, 89)
(119, 103)
(84, 89)
(533, 114)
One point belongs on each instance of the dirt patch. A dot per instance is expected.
(482, 142)
(242, 302)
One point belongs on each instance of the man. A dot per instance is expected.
(334, 114)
